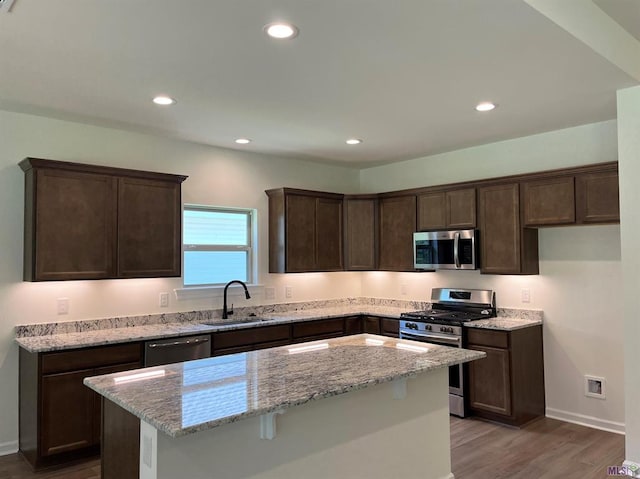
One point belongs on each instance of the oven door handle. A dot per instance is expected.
(434, 337)
(456, 246)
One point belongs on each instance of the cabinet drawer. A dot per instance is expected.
(483, 337)
(91, 358)
(317, 328)
(231, 339)
(390, 327)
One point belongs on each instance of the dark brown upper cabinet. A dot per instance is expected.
(454, 209)
(361, 232)
(305, 231)
(397, 225)
(549, 201)
(506, 247)
(597, 198)
(95, 222)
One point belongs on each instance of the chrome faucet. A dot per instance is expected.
(225, 313)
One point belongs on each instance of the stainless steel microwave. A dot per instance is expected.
(445, 249)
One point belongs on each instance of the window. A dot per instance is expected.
(217, 245)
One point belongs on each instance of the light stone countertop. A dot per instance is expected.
(503, 324)
(89, 334)
(185, 398)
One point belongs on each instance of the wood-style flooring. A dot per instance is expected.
(545, 449)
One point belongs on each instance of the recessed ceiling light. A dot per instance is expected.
(163, 100)
(281, 30)
(353, 141)
(243, 141)
(485, 106)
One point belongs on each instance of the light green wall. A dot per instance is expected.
(594, 143)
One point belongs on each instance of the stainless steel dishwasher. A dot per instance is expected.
(176, 350)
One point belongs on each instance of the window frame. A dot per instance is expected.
(248, 248)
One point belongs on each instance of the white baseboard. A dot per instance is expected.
(589, 421)
(7, 448)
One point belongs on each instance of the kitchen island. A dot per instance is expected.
(257, 414)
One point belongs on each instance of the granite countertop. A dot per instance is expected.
(184, 398)
(98, 337)
(45, 337)
(503, 324)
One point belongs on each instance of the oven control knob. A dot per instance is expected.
(428, 327)
(446, 330)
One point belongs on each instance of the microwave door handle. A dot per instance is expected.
(456, 245)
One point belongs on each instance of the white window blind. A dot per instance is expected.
(217, 245)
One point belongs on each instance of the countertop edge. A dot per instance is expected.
(79, 340)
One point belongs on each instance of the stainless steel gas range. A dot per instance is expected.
(443, 324)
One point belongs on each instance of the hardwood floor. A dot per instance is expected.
(545, 449)
(14, 467)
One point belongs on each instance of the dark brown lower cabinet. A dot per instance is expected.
(508, 385)
(371, 325)
(390, 327)
(59, 416)
(318, 329)
(65, 428)
(249, 339)
(61, 419)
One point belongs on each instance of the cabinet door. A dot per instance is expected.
(432, 213)
(328, 240)
(97, 398)
(71, 232)
(67, 413)
(597, 198)
(390, 327)
(361, 233)
(548, 202)
(149, 228)
(461, 208)
(397, 225)
(499, 229)
(489, 381)
(371, 325)
(352, 325)
(300, 221)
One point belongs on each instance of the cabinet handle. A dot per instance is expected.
(456, 245)
(186, 342)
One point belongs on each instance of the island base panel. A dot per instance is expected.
(363, 434)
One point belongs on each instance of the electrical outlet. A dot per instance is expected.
(526, 295)
(288, 292)
(63, 305)
(164, 300)
(269, 292)
(403, 289)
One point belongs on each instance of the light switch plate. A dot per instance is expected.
(526, 295)
(288, 292)
(63, 305)
(163, 300)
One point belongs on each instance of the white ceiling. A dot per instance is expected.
(402, 75)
